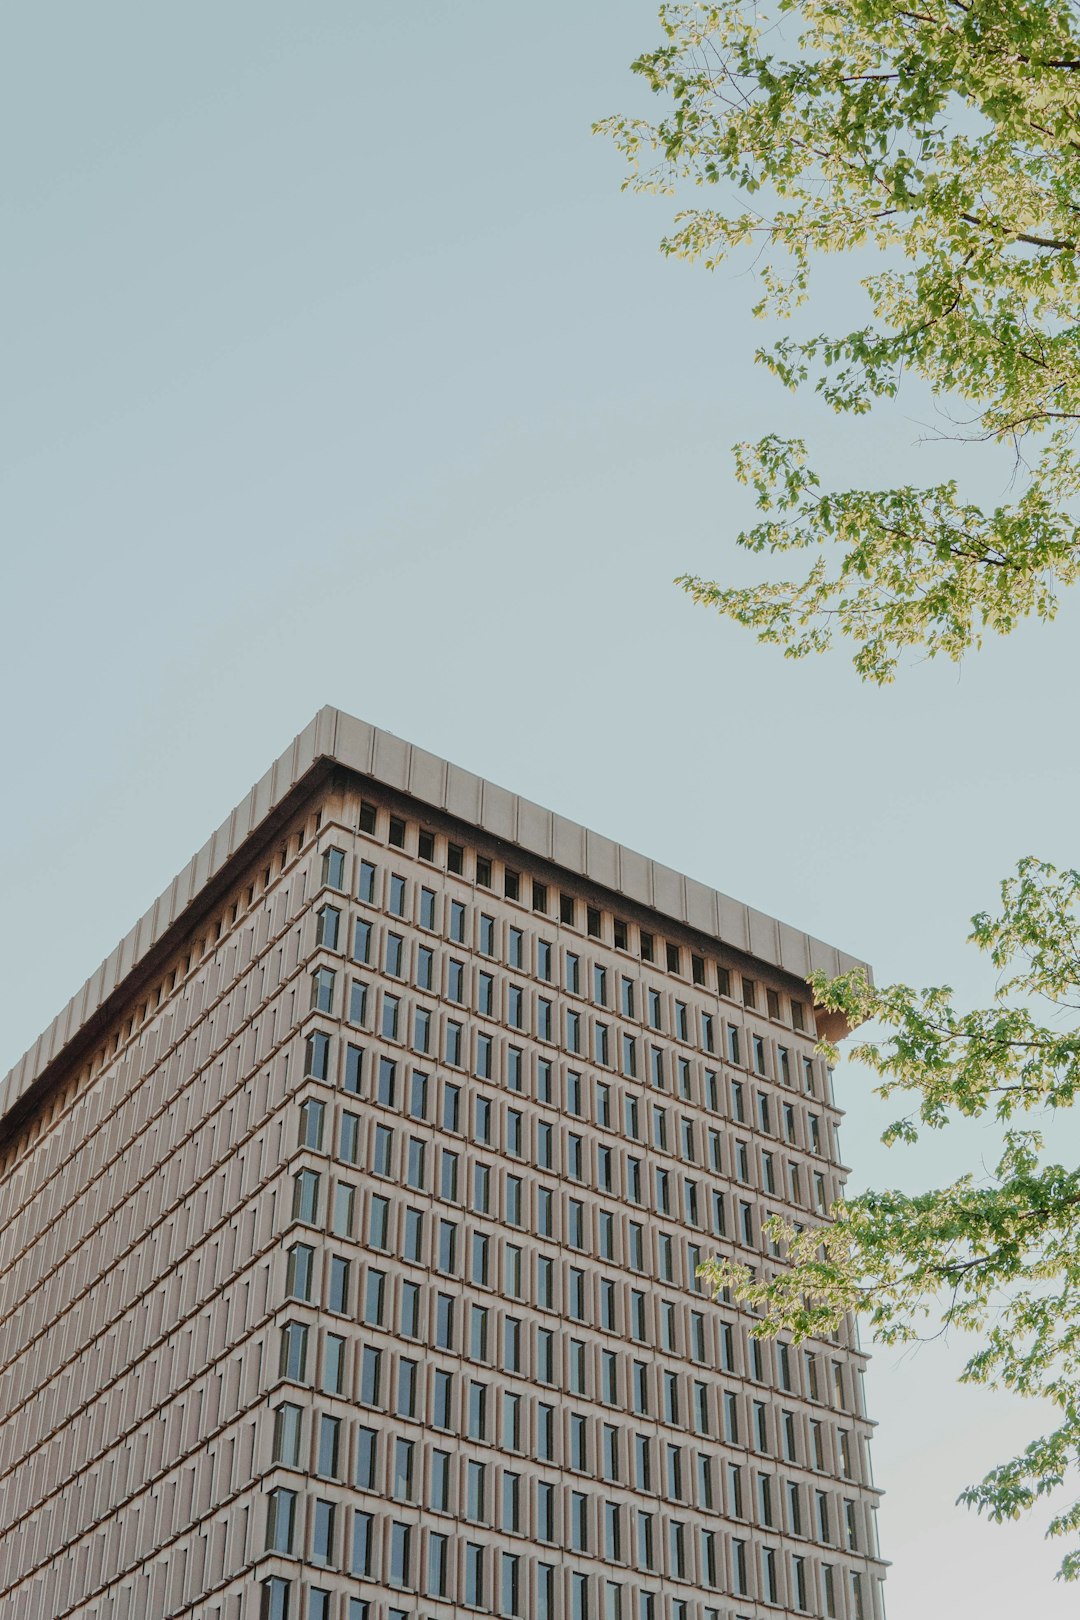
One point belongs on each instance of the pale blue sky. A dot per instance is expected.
(338, 370)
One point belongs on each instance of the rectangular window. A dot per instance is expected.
(287, 1429)
(437, 1564)
(333, 868)
(354, 1058)
(442, 1397)
(374, 1297)
(406, 1401)
(410, 1310)
(298, 1271)
(444, 1322)
(338, 1296)
(280, 1520)
(447, 1247)
(361, 1543)
(474, 1576)
(383, 1143)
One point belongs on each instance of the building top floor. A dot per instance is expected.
(539, 842)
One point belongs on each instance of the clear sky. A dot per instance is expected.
(337, 369)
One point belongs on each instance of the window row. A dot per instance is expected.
(399, 1554)
(456, 1107)
(540, 897)
(527, 1204)
(391, 1380)
(550, 1018)
(403, 1469)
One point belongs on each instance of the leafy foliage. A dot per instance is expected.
(996, 1255)
(942, 141)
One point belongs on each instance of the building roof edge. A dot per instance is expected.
(332, 738)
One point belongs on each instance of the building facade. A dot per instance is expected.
(349, 1225)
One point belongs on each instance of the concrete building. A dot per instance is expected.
(349, 1218)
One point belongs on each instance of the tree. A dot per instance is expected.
(943, 141)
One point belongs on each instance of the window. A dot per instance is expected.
(579, 1521)
(338, 1296)
(280, 1520)
(444, 1322)
(477, 1410)
(448, 1176)
(322, 1533)
(391, 1007)
(545, 1511)
(327, 927)
(612, 1533)
(447, 1244)
(366, 886)
(361, 1544)
(370, 1376)
(645, 1540)
(374, 1297)
(610, 1446)
(406, 1400)
(578, 1457)
(509, 1584)
(274, 1602)
(333, 868)
(415, 1175)
(383, 1143)
(474, 1575)
(344, 1205)
(478, 1332)
(410, 1310)
(768, 1565)
(437, 1564)
(442, 1396)
(738, 1567)
(414, 1229)
(322, 989)
(317, 1055)
(287, 1428)
(333, 1372)
(306, 1185)
(298, 1271)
